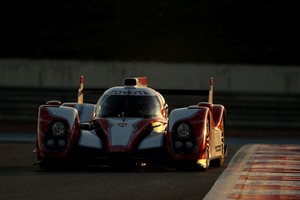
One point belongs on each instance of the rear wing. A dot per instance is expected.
(82, 91)
(208, 93)
(211, 91)
(142, 81)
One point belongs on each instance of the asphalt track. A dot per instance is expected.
(20, 180)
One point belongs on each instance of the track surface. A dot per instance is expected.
(20, 180)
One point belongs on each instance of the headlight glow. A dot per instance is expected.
(183, 130)
(58, 129)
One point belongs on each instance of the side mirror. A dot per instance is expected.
(87, 126)
(53, 103)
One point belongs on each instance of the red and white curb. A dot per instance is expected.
(260, 171)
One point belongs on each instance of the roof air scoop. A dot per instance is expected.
(139, 82)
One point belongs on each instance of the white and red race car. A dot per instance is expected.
(130, 124)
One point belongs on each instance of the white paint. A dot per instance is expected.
(180, 114)
(121, 130)
(87, 112)
(154, 140)
(64, 112)
(90, 139)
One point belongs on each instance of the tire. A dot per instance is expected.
(47, 165)
(53, 165)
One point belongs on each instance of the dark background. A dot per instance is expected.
(199, 31)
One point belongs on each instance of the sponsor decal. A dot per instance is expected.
(122, 124)
(218, 148)
(128, 92)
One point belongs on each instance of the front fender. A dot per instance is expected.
(219, 113)
(196, 118)
(48, 115)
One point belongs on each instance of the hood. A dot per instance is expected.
(122, 131)
(124, 134)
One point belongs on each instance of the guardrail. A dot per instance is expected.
(259, 111)
(273, 111)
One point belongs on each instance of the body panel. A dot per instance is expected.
(132, 122)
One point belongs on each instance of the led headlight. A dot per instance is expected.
(50, 143)
(58, 129)
(183, 130)
(178, 144)
(189, 144)
(61, 143)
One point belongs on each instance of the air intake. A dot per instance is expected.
(139, 82)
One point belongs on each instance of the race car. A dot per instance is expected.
(130, 124)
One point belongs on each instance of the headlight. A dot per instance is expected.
(58, 129)
(183, 130)
(50, 143)
(61, 143)
(189, 144)
(178, 144)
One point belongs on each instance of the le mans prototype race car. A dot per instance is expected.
(130, 124)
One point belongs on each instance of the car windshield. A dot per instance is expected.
(128, 106)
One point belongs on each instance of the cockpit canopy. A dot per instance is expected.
(141, 106)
